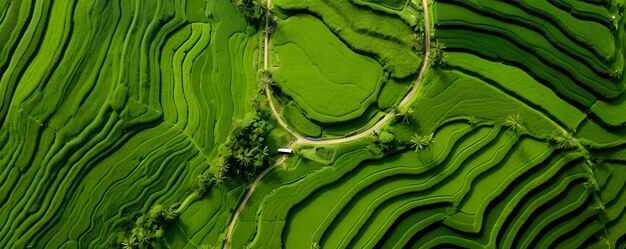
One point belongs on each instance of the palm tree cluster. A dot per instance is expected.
(437, 54)
(150, 227)
(253, 10)
(419, 142)
(265, 78)
(416, 42)
(514, 122)
(245, 149)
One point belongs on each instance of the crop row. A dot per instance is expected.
(105, 117)
(557, 57)
(324, 77)
(365, 31)
(475, 187)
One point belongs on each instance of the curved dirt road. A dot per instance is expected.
(302, 140)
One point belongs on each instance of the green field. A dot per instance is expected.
(324, 77)
(157, 124)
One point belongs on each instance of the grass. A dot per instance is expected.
(109, 110)
(323, 76)
(365, 31)
(391, 4)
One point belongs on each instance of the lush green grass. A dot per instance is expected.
(391, 4)
(300, 122)
(324, 77)
(99, 123)
(365, 31)
(109, 109)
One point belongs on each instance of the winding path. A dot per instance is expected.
(299, 138)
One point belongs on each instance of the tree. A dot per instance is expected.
(419, 142)
(437, 54)
(245, 157)
(219, 179)
(129, 243)
(170, 214)
(253, 10)
(405, 112)
(416, 42)
(617, 74)
(143, 237)
(472, 121)
(265, 78)
(514, 122)
(564, 140)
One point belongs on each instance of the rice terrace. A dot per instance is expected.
(312, 124)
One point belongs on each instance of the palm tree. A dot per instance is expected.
(405, 113)
(170, 214)
(617, 74)
(245, 157)
(566, 141)
(129, 243)
(514, 122)
(428, 139)
(265, 78)
(142, 236)
(416, 142)
(472, 121)
(416, 42)
(219, 179)
(437, 53)
(419, 142)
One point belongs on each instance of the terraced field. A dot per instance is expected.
(156, 124)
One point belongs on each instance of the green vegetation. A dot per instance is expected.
(392, 4)
(327, 80)
(365, 31)
(245, 150)
(253, 10)
(146, 124)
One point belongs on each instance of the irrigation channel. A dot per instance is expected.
(299, 138)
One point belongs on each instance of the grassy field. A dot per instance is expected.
(100, 123)
(335, 88)
(143, 124)
(325, 78)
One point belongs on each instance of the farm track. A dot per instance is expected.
(300, 139)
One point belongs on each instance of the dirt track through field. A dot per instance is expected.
(299, 138)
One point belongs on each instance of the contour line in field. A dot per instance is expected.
(300, 139)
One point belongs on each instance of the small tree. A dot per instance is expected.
(437, 54)
(514, 122)
(416, 42)
(564, 140)
(419, 142)
(617, 74)
(265, 78)
(129, 243)
(253, 10)
(472, 121)
(405, 112)
(384, 140)
(170, 214)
